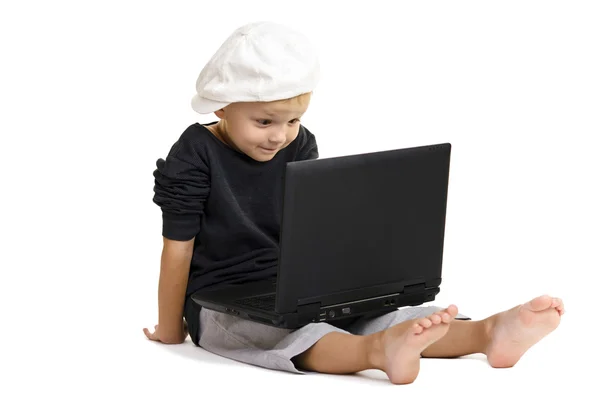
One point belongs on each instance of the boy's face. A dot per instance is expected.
(261, 130)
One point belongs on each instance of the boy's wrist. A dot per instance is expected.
(172, 334)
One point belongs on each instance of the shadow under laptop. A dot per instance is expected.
(372, 377)
(190, 351)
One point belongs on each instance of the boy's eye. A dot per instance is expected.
(294, 121)
(264, 121)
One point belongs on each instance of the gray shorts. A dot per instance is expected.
(269, 347)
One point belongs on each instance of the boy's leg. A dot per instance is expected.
(503, 337)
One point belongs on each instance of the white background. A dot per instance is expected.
(93, 93)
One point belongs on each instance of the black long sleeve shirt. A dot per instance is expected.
(230, 203)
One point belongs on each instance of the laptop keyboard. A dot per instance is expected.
(266, 302)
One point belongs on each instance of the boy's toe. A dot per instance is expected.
(425, 322)
(540, 303)
(452, 310)
(417, 328)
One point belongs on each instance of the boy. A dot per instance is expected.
(219, 191)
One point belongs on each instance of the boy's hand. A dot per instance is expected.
(159, 336)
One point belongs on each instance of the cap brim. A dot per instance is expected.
(206, 106)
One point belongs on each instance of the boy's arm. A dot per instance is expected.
(174, 270)
(181, 187)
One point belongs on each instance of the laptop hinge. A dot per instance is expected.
(416, 288)
(310, 308)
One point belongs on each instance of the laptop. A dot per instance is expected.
(360, 234)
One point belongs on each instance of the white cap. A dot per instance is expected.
(261, 61)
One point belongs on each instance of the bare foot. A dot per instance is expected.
(403, 344)
(515, 331)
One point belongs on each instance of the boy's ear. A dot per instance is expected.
(220, 113)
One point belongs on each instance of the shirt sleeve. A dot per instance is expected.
(181, 187)
(308, 149)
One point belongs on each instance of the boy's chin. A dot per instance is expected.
(262, 157)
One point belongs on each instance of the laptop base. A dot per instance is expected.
(228, 300)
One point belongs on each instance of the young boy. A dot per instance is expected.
(219, 191)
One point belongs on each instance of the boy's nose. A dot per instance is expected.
(278, 137)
